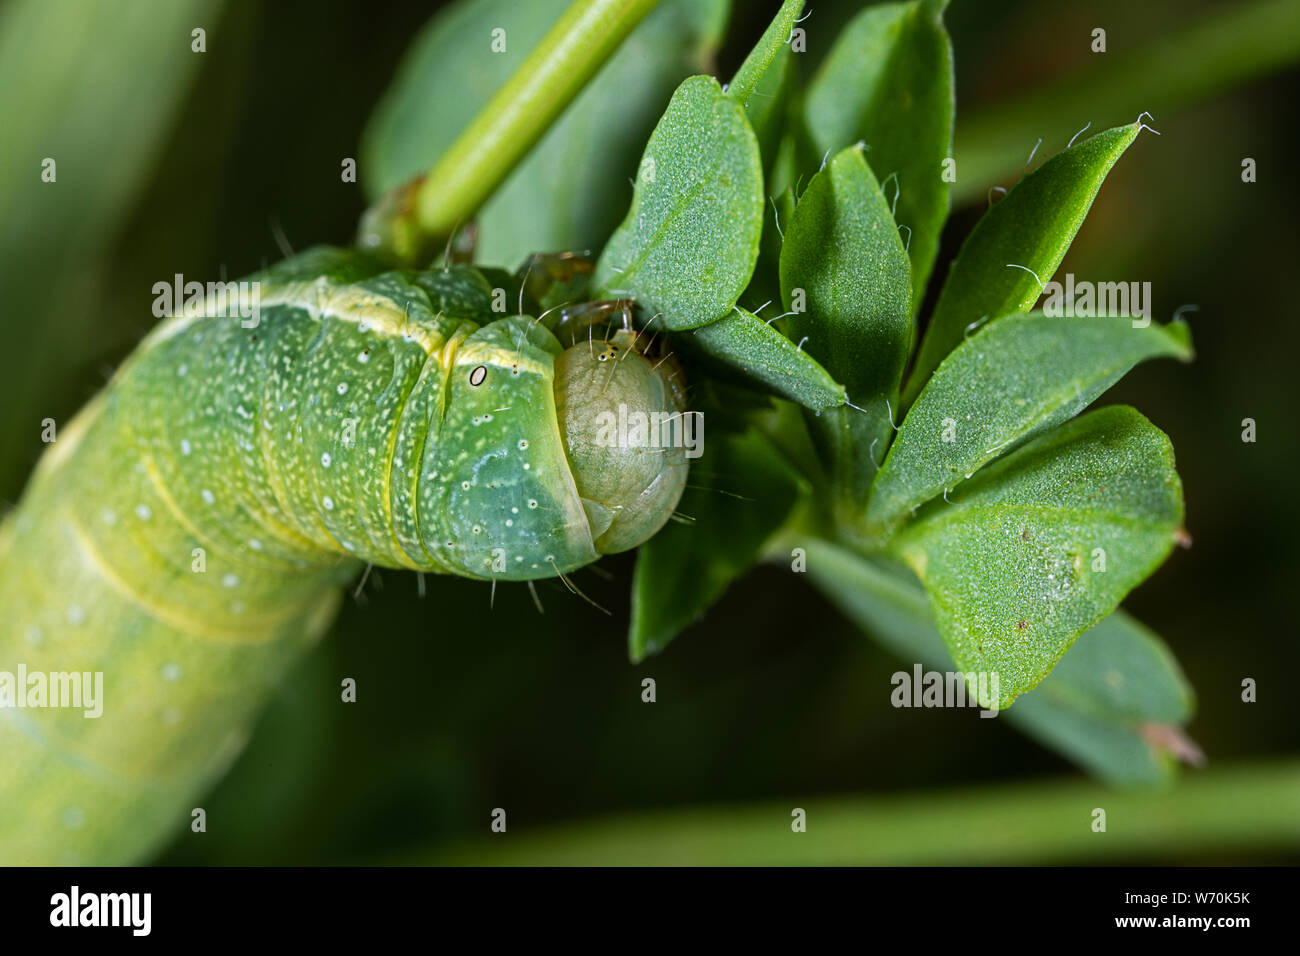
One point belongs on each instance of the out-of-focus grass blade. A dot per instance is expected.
(1215, 54)
(1234, 809)
(92, 85)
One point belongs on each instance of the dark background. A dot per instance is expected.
(463, 708)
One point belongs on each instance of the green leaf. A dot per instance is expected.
(766, 53)
(1017, 246)
(849, 80)
(683, 569)
(843, 262)
(688, 245)
(764, 356)
(1114, 704)
(888, 82)
(769, 107)
(570, 192)
(1014, 378)
(1098, 705)
(1045, 543)
(844, 276)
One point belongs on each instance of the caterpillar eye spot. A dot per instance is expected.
(477, 376)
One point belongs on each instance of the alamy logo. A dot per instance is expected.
(1087, 299)
(946, 689)
(134, 910)
(657, 430)
(70, 689)
(242, 300)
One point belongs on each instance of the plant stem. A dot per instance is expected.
(1245, 808)
(1218, 52)
(522, 110)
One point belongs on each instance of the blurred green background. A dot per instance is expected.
(170, 161)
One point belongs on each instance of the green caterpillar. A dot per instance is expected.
(191, 530)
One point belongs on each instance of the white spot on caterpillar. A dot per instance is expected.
(171, 672)
(364, 356)
(110, 517)
(527, 466)
(509, 523)
(76, 614)
(477, 376)
(328, 503)
(532, 502)
(183, 369)
(343, 387)
(230, 581)
(143, 512)
(207, 496)
(74, 818)
(325, 459)
(186, 447)
(34, 635)
(255, 544)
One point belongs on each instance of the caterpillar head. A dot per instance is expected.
(621, 418)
